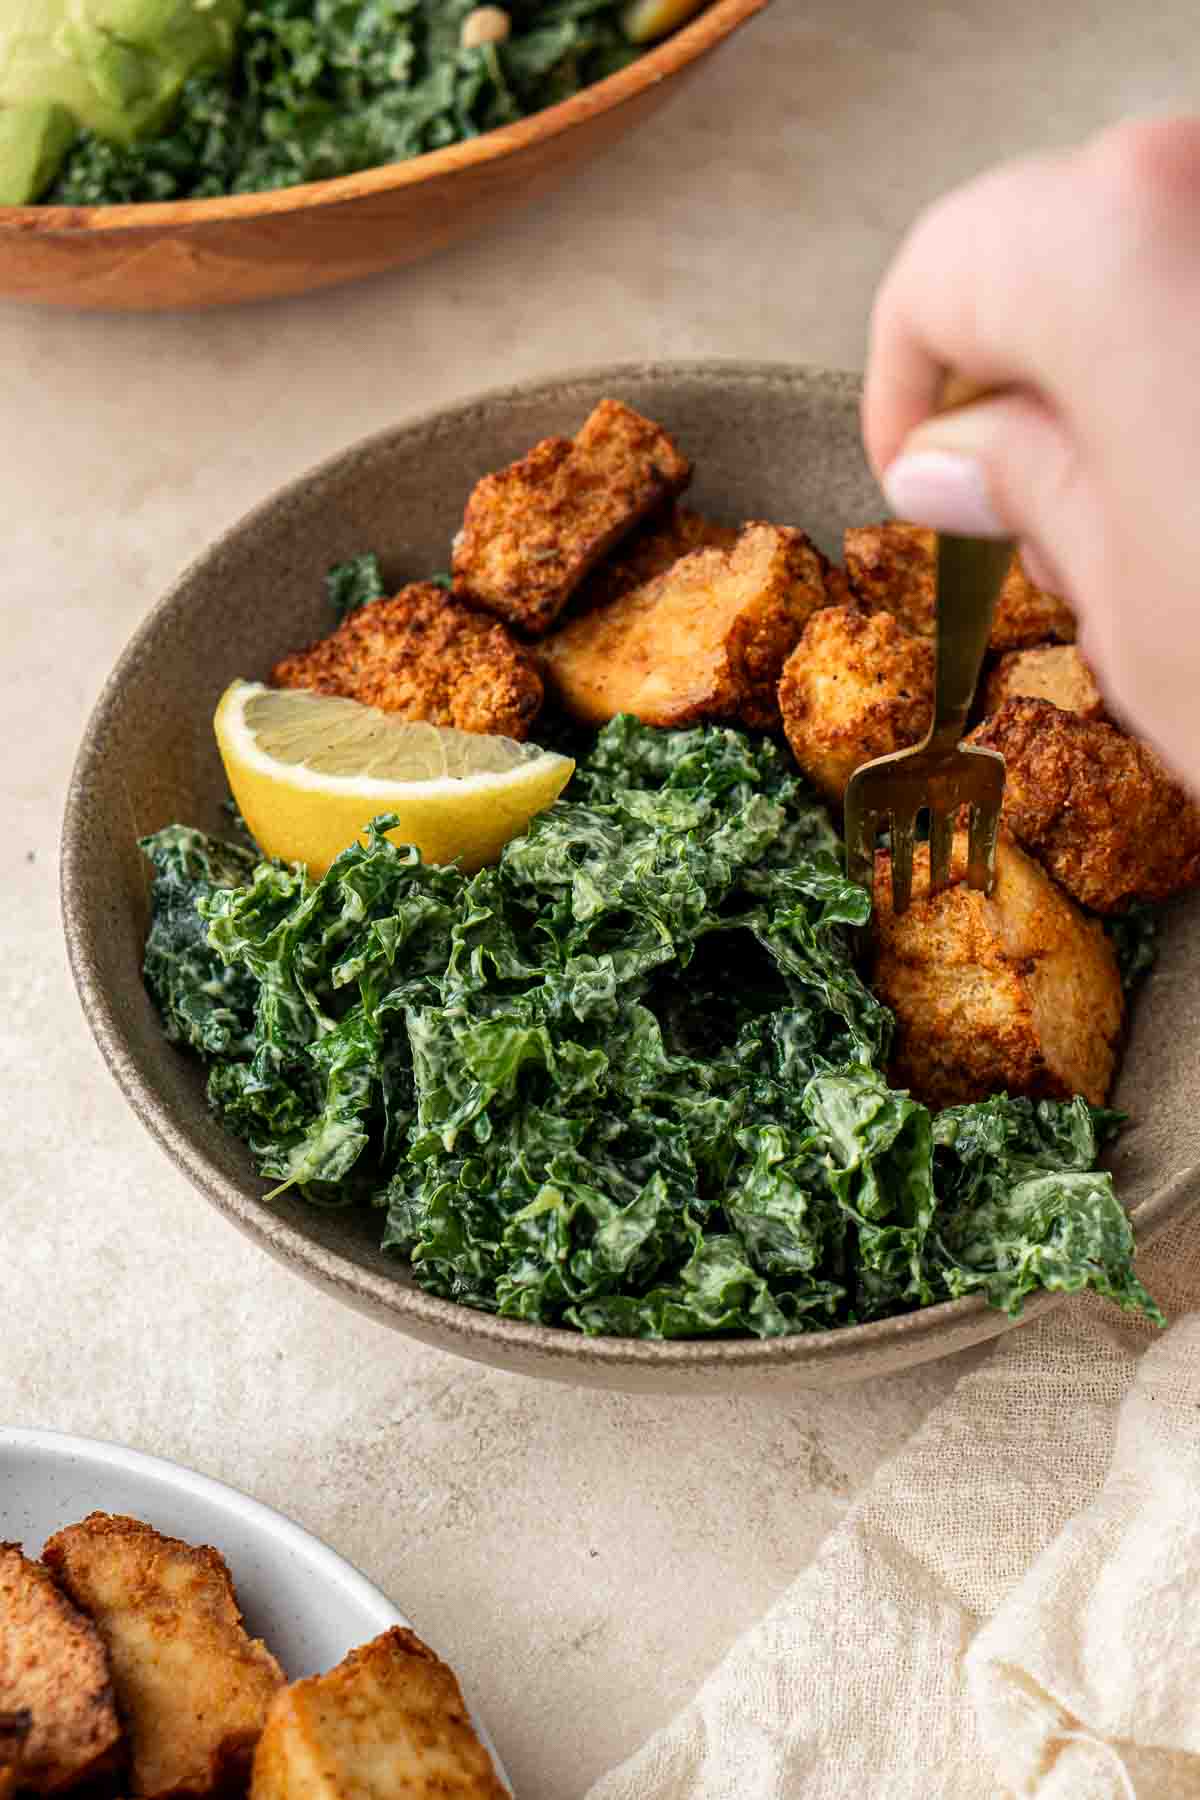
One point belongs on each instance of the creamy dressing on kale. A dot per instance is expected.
(320, 88)
(628, 1080)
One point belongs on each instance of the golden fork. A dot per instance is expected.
(939, 775)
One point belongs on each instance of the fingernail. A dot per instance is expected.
(944, 490)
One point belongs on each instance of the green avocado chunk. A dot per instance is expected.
(33, 141)
(115, 67)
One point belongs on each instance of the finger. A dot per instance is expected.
(975, 287)
(1003, 467)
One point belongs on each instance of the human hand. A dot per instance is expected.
(1070, 283)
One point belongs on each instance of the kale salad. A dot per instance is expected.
(319, 88)
(627, 1081)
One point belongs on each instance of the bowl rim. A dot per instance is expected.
(311, 1552)
(111, 1454)
(475, 1333)
(692, 40)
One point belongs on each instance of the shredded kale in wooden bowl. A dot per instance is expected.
(628, 1080)
(326, 87)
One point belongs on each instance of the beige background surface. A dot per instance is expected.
(582, 1557)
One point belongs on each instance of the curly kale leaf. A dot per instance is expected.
(324, 957)
(1024, 1207)
(204, 1001)
(1135, 934)
(629, 1079)
(322, 88)
(354, 583)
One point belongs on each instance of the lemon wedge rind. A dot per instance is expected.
(299, 766)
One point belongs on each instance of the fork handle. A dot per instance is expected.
(970, 574)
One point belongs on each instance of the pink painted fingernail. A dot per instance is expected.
(944, 490)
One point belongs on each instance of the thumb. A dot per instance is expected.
(1002, 467)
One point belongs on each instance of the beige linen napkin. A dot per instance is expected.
(1011, 1608)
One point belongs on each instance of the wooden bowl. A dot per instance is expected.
(768, 443)
(165, 254)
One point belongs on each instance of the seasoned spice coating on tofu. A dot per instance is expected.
(653, 549)
(389, 1720)
(856, 686)
(422, 655)
(532, 532)
(54, 1670)
(893, 567)
(14, 1733)
(1054, 672)
(191, 1686)
(705, 640)
(1097, 809)
(15, 1728)
(1013, 992)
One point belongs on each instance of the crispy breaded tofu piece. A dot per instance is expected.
(425, 656)
(893, 567)
(1027, 615)
(54, 1669)
(15, 1728)
(533, 531)
(653, 549)
(1054, 672)
(705, 640)
(390, 1720)
(857, 685)
(191, 1687)
(1016, 991)
(1096, 808)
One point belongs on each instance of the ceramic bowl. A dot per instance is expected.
(307, 1603)
(768, 443)
(168, 254)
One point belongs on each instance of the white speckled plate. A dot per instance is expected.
(305, 1601)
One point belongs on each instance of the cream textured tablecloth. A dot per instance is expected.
(1011, 1607)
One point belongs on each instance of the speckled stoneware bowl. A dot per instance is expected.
(769, 443)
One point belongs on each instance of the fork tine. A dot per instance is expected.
(981, 849)
(861, 828)
(941, 841)
(904, 827)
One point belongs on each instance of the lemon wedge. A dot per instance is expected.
(644, 20)
(309, 771)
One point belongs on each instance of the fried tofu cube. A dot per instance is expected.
(532, 532)
(389, 1720)
(15, 1728)
(893, 568)
(191, 1686)
(1014, 991)
(1054, 672)
(422, 655)
(1096, 808)
(55, 1691)
(653, 549)
(856, 686)
(705, 640)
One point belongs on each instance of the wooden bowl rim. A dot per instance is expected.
(717, 22)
